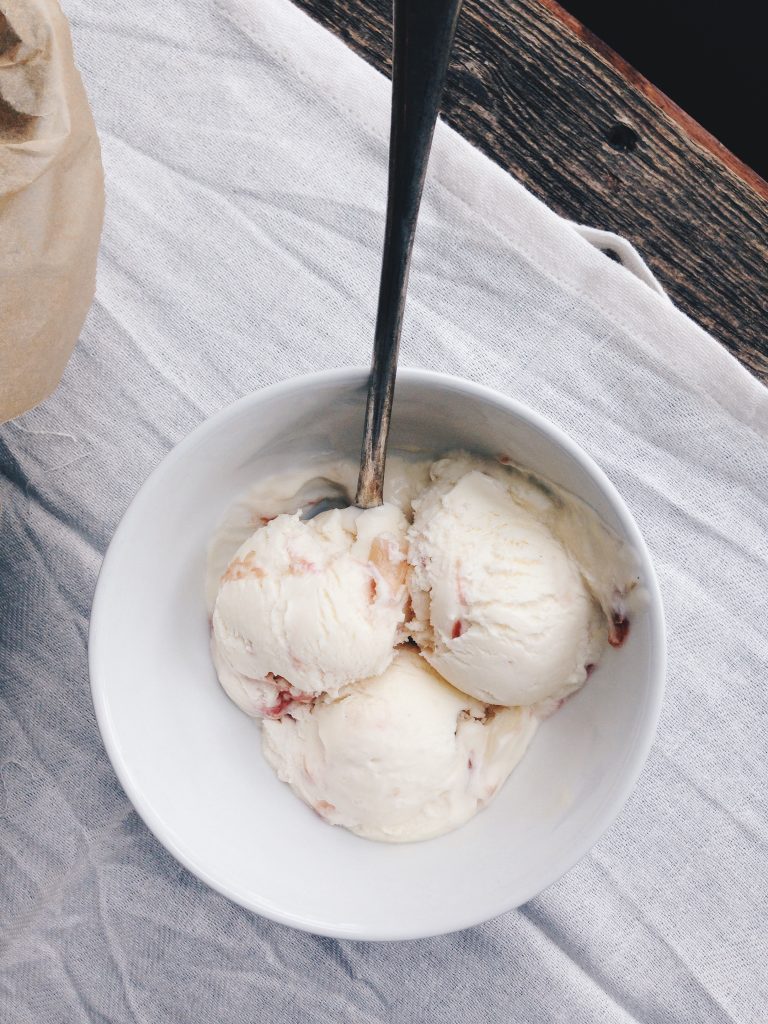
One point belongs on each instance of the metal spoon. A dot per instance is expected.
(422, 39)
(423, 35)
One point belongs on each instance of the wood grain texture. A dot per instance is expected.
(600, 145)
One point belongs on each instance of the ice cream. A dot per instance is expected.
(502, 606)
(307, 608)
(285, 494)
(401, 658)
(400, 757)
(298, 490)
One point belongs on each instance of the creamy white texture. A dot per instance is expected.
(401, 757)
(285, 494)
(306, 608)
(290, 492)
(510, 586)
(502, 608)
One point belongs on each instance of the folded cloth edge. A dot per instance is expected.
(555, 246)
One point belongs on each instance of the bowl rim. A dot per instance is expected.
(657, 673)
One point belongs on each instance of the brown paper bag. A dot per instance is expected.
(51, 202)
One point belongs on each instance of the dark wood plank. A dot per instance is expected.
(599, 144)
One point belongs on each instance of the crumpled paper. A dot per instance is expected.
(51, 202)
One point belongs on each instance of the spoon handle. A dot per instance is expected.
(423, 34)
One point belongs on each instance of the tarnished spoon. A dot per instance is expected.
(422, 39)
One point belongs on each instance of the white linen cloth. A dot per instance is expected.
(245, 156)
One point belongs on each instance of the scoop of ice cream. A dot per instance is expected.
(401, 757)
(293, 490)
(500, 608)
(305, 608)
(286, 493)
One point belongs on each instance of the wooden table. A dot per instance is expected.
(538, 93)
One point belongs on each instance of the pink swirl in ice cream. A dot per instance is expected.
(402, 657)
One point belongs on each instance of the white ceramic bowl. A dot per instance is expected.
(191, 762)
